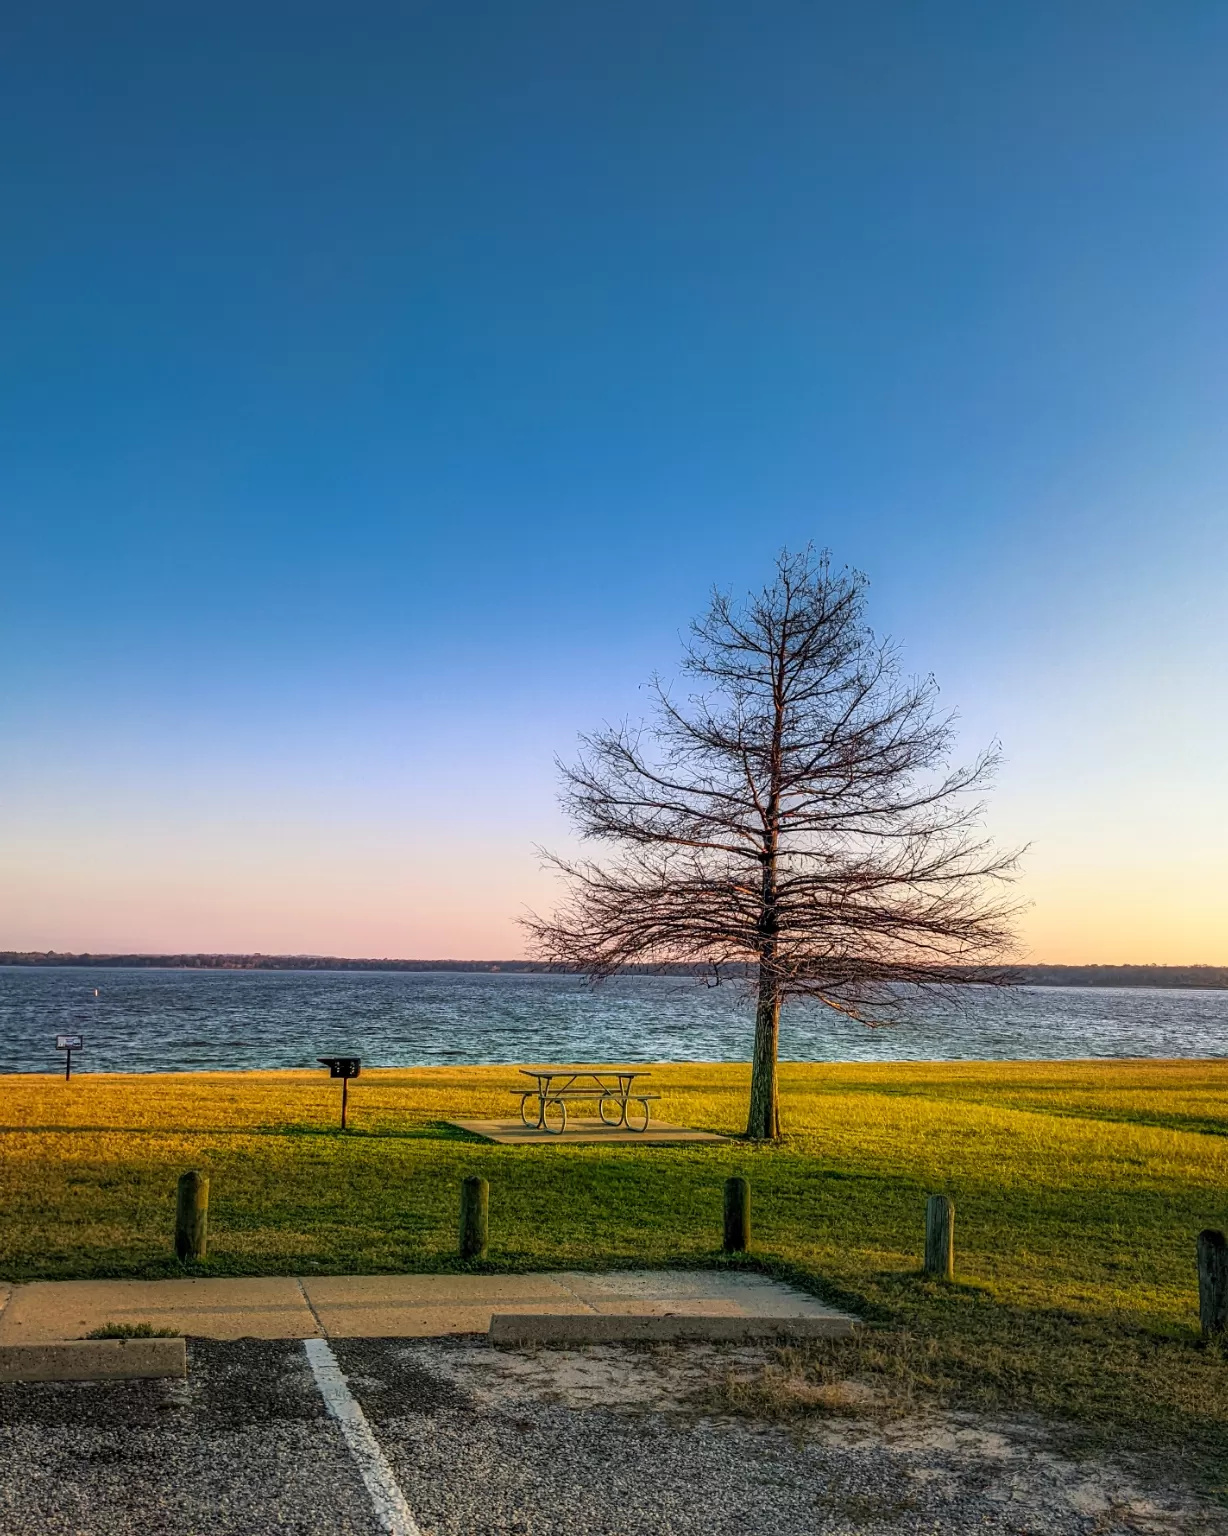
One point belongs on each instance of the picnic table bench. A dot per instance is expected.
(619, 1103)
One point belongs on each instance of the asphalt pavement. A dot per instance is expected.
(244, 1445)
(596, 1442)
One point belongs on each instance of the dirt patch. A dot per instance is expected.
(908, 1457)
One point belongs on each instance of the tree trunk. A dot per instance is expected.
(764, 1121)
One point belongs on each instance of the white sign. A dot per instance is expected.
(69, 1042)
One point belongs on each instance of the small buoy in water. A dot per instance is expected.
(95, 991)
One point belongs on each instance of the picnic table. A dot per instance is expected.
(544, 1106)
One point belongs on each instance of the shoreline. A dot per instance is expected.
(1191, 978)
(992, 1065)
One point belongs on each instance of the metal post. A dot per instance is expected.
(68, 1066)
(345, 1084)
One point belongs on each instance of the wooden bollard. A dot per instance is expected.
(1213, 1284)
(737, 1215)
(192, 1217)
(474, 1218)
(940, 1237)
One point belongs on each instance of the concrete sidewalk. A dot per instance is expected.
(404, 1306)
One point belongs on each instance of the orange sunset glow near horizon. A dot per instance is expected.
(397, 815)
(359, 897)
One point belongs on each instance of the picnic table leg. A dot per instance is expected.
(643, 1110)
(613, 1098)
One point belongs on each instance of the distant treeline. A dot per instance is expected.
(1119, 975)
(1201, 976)
(267, 962)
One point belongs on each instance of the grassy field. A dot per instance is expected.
(1079, 1189)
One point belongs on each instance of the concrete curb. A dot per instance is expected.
(93, 1360)
(619, 1328)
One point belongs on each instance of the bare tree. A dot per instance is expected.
(797, 818)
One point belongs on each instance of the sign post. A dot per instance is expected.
(344, 1067)
(68, 1044)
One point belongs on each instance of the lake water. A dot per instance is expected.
(164, 1020)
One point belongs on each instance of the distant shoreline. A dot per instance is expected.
(1189, 977)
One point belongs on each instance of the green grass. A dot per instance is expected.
(1079, 1187)
(131, 1331)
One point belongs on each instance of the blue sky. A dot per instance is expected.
(382, 389)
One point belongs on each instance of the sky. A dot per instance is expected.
(384, 387)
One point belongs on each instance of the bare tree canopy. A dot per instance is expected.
(797, 813)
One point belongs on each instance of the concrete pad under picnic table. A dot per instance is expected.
(45, 1311)
(514, 1133)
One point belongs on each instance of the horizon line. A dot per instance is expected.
(178, 957)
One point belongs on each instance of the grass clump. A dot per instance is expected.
(131, 1331)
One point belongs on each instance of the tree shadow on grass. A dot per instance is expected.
(433, 1130)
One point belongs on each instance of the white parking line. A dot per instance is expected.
(390, 1506)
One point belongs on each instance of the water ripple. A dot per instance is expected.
(154, 1020)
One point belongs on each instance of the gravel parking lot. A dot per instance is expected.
(604, 1441)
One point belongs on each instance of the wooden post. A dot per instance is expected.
(474, 1218)
(940, 1237)
(1213, 1284)
(737, 1215)
(192, 1217)
(345, 1083)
